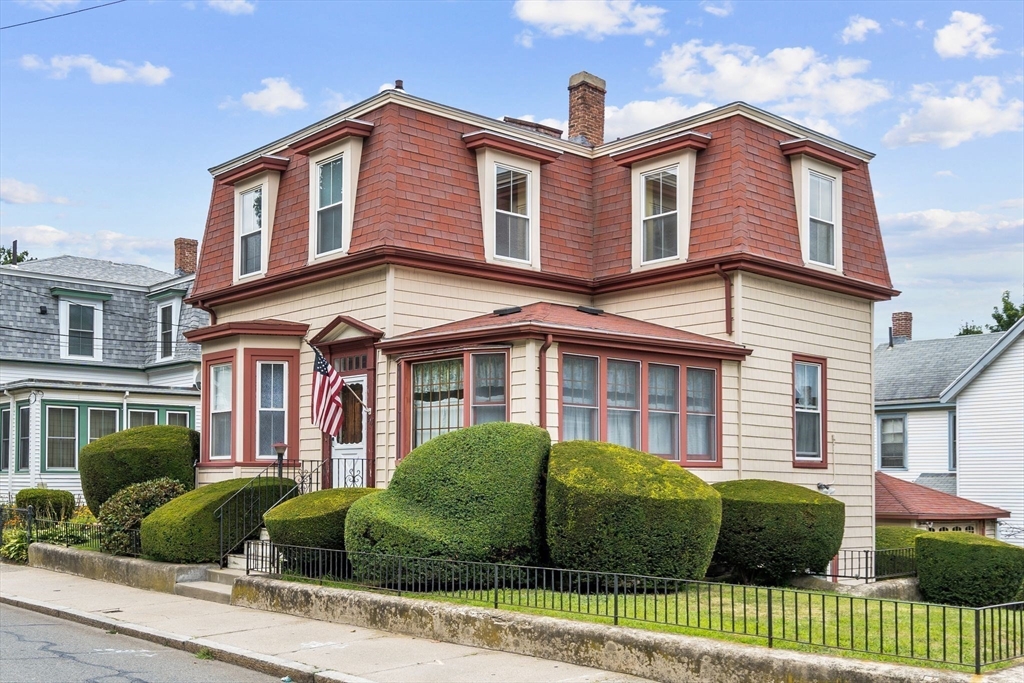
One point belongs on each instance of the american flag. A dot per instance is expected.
(327, 386)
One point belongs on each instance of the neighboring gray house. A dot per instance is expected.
(919, 429)
(87, 348)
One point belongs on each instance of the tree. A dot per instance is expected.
(7, 256)
(1008, 316)
(969, 328)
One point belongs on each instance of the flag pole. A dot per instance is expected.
(366, 408)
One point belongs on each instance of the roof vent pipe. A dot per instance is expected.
(399, 85)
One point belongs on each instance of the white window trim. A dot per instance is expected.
(46, 439)
(351, 152)
(487, 161)
(156, 415)
(97, 328)
(208, 419)
(175, 305)
(284, 409)
(88, 423)
(188, 418)
(685, 163)
(269, 180)
(802, 165)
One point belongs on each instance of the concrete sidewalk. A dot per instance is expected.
(304, 649)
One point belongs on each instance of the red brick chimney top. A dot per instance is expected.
(186, 253)
(586, 108)
(903, 325)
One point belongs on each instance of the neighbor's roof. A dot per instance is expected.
(976, 368)
(944, 482)
(898, 499)
(93, 269)
(921, 370)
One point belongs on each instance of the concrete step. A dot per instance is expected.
(264, 535)
(205, 590)
(236, 561)
(225, 577)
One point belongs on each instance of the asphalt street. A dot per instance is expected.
(37, 648)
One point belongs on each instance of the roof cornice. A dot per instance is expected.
(505, 143)
(266, 328)
(673, 143)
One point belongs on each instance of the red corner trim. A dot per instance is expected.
(248, 170)
(821, 152)
(271, 328)
(688, 140)
(486, 138)
(339, 131)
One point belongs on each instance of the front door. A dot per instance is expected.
(348, 449)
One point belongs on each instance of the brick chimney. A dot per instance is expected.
(186, 252)
(903, 325)
(586, 108)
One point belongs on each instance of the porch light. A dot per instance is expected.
(280, 449)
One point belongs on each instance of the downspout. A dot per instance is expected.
(209, 311)
(728, 298)
(543, 366)
(124, 411)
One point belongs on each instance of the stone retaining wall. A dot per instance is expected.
(127, 571)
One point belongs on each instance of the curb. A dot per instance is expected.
(268, 664)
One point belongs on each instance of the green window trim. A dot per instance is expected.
(63, 292)
(18, 406)
(166, 294)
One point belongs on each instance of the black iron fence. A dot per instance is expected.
(873, 565)
(96, 536)
(969, 637)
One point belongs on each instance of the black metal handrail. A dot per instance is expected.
(873, 565)
(964, 636)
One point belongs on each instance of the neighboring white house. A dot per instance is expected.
(989, 401)
(87, 348)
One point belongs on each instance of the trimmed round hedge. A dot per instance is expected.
(888, 537)
(47, 503)
(125, 510)
(614, 509)
(313, 520)
(772, 530)
(185, 529)
(475, 494)
(960, 568)
(136, 455)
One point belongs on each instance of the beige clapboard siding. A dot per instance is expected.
(990, 422)
(694, 305)
(927, 444)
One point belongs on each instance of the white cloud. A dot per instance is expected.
(641, 115)
(966, 35)
(525, 39)
(232, 6)
(594, 19)
(60, 66)
(858, 28)
(49, 5)
(919, 24)
(974, 109)
(945, 174)
(385, 86)
(14, 191)
(45, 240)
(277, 94)
(335, 101)
(794, 81)
(560, 124)
(720, 8)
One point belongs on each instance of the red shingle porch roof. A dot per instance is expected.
(898, 499)
(566, 324)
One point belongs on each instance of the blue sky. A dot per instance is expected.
(110, 118)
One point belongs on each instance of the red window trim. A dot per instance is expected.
(804, 463)
(209, 360)
(645, 359)
(291, 358)
(404, 413)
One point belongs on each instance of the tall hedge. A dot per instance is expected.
(136, 455)
(772, 530)
(474, 494)
(614, 509)
(888, 537)
(185, 529)
(960, 568)
(313, 520)
(47, 503)
(124, 511)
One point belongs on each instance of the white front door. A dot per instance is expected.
(348, 449)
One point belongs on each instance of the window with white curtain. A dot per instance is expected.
(580, 415)
(622, 390)
(489, 392)
(663, 410)
(220, 410)
(271, 401)
(438, 393)
(701, 409)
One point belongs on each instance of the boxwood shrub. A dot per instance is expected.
(888, 537)
(185, 529)
(474, 494)
(960, 568)
(47, 503)
(772, 530)
(136, 455)
(314, 520)
(124, 511)
(614, 509)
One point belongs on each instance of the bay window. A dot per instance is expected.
(270, 407)
(221, 399)
(579, 398)
(701, 409)
(663, 410)
(623, 396)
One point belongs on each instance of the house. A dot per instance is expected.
(88, 348)
(703, 291)
(903, 503)
(920, 433)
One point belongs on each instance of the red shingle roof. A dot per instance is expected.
(898, 499)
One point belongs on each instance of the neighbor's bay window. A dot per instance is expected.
(660, 215)
(61, 437)
(251, 232)
(329, 214)
(512, 214)
(439, 388)
(271, 401)
(221, 398)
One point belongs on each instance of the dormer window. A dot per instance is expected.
(660, 217)
(512, 214)
(329, 213)
(81, 323)
(165, 331)
(251, 232)
(822, 227)
(255, 184)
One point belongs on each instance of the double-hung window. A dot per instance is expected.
(660, 215)
(439, 388)
(329, 213)
(81, 329)
(701, 414)
(24, 423)
(663, 410)
(580, 409)
(623, 395)
(251, 232)
(512, 214)
(5, 439)
(61, 437)
(270, 405)
(952, 441)
(892, 441)
(821, 221)
(808, 404)
(221, 395)
(165, 333)
(102, 422)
